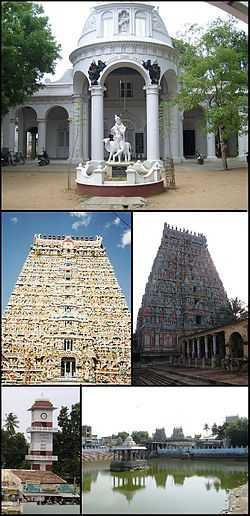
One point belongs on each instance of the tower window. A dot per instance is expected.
(68, 344)
(198, 319)
(194, 289)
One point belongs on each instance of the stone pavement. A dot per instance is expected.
(113, 203)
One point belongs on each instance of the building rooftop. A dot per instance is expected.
(42, 404)
(44, 477)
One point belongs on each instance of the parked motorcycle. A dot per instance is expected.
(200, 158)
(43, 159)
(19, 158)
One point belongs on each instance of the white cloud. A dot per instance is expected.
(14, 220)
(84, 219)
(114, 222)
(126, 239)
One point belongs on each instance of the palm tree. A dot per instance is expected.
(11, 423)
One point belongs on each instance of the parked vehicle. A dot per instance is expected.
(6, 157)
(19, 158)
(200, 158)
(43, 159)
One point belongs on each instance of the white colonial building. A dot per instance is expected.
(125, 63)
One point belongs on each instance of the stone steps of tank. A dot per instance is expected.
(166, 377)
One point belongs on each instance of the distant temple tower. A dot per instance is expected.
(41, 430)
(67, 319)
(183, 294)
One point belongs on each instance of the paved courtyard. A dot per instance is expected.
(199, 187)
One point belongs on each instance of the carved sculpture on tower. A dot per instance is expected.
(183, 294)
(67, 319)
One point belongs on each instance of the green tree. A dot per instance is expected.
(214, 64)
(14, 448)
(140, 437)
(29, 50)
(237, 432)
(67, 444)
(239, 309)
(218, 430)
(206, 428)
(11, 423)
(122, 435)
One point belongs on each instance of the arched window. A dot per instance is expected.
(140, 24)
(107, 20)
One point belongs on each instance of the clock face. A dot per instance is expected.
(43, 415)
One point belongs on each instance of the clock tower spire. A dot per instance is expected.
(41, 447)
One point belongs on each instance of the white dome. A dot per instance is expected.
(129, 442)
(124, 21)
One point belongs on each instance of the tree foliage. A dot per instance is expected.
(11, 423)
(239, 309)
(67, 444)
(29, 50)
(13, 450)
(140, 437)
(214, 64)
(236, 432)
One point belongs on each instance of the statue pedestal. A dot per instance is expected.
(116, 179)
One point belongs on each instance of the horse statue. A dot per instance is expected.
(116, 149)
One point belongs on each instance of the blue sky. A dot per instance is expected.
(18, 229)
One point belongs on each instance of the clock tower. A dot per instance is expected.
(41, 447)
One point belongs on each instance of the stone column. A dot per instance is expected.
(243, 146)
(12, 130)
(97, 129)
(85, 130)
(211, 146)
(188, 349)
(20, 132)
(174, 117)
(198, 348)
(193, 348)
(206, 346)
(41, 135)
(75, 128)
(214, 345)
(153, 136)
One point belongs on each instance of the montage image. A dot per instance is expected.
(154, 455)
(40, 461)
(188, 331)
(67, 319)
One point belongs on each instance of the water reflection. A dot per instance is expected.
(217, 475)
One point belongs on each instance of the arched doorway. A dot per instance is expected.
(27, 128)
(31, 142)
(125, 97)
(236, 345)
(57, 133)
(194, 135)
(68, 367)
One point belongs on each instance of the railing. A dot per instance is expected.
(204, 451)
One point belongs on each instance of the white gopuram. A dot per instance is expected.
(41, 447)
